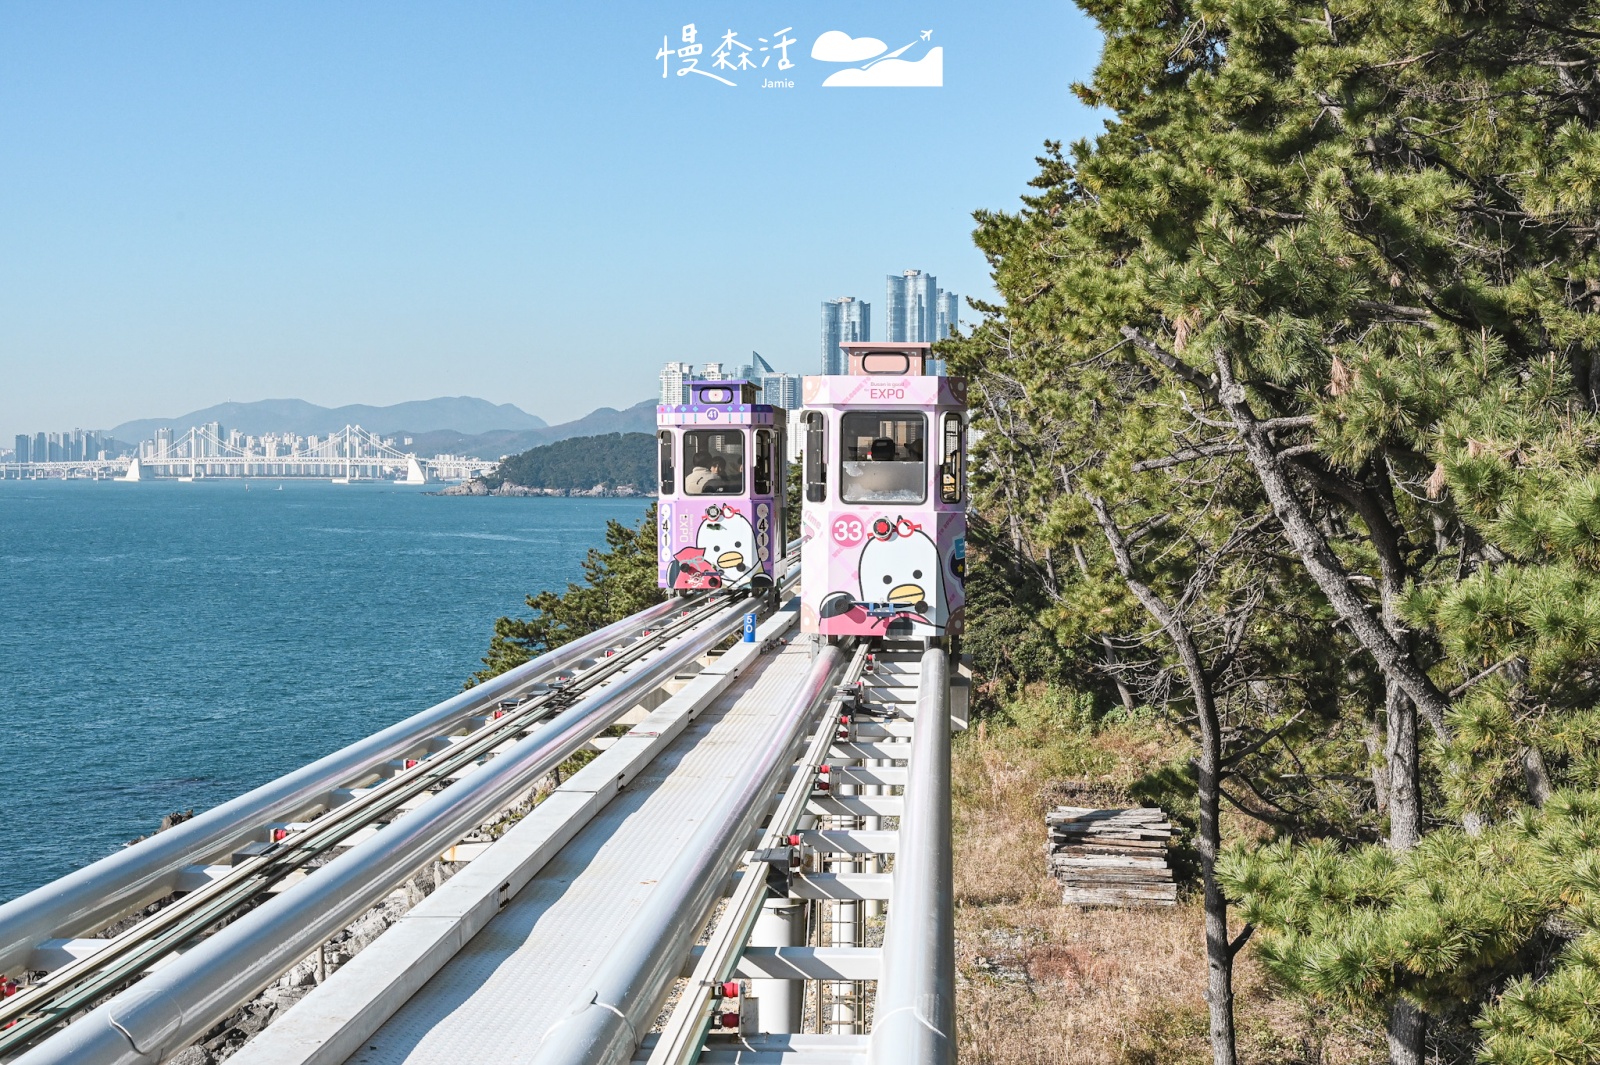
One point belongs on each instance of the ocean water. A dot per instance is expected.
(166, 646)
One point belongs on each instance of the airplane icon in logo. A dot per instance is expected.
(927, 35)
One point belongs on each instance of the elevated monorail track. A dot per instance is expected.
(766, 801)
(553, 707)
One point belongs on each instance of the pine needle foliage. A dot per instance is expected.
(1331, 274)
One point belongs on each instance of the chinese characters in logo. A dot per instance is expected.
(731, 58)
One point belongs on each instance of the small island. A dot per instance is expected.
(612, 464)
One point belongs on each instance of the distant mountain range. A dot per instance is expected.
(460, 425)
(462, 414)
(639, 418)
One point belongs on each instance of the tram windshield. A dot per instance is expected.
(883, 457)
(713, 460)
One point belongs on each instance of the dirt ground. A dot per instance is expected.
(1044, 984)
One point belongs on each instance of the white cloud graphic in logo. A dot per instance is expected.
(837, 46)
(889, 72)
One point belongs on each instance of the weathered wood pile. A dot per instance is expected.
(1111, 857)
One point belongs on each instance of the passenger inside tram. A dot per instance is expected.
(714, 459)
(883, 460)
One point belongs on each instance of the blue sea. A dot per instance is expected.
(166, 646)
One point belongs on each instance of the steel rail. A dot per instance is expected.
(178, 1002)
(41, 1006)
(616, 1009)
(686, 1027)
(97, 894)
(914, 1015)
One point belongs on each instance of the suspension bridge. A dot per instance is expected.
(754, 866)
(351, 454)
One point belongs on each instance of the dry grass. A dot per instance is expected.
(1044, 984)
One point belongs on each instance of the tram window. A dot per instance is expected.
(883, 457)
(714, 459)
(816, 457)
(951, 460)
(889, 362)
(763, 467)
(669, 480)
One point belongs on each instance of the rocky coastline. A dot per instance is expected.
(479, 487)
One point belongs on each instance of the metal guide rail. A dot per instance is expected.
(561, 943)
(862, 1004)
(598, 885)
(788, 771)
(505, 715)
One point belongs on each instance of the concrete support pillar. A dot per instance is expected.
(779, 1002)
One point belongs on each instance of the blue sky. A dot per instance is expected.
(378, 202)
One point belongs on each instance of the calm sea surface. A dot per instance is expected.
(166, 646)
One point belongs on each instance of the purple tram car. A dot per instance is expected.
(884, 517)
(721, 467)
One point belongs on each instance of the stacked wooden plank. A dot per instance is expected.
(1111, 857)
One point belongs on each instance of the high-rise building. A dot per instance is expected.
(949, 314)
(164, 442)
(712, 371)
(675, 378)
(919, 311)
(779, 389)
(843, 319)
(782, 390)
(913, 307)
(24, 448)
(41, 447)
(210, 445)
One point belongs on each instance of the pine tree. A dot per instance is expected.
(1349, 251)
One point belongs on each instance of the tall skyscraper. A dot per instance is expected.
(712, 371)
(913, 306)
(675, 377)
(843, 319)
(949, 314)
(24, 448)
(920, 312)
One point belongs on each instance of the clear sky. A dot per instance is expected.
(369, 203)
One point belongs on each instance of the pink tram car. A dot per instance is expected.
(721, 467)
(885, 497)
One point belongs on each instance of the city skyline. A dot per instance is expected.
(360, 204)
(777, 388)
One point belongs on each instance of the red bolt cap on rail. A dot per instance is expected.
(730, 1020)
(794, 839)
(411, 763)
(8, 987)
(279, 835)
(729, 989)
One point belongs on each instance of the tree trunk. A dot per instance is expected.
(1302, 533)
(1407, 1029)
(1405, 792)
(1219, 952)
(1376, 743)
(1324, 566)
(1536, 776)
